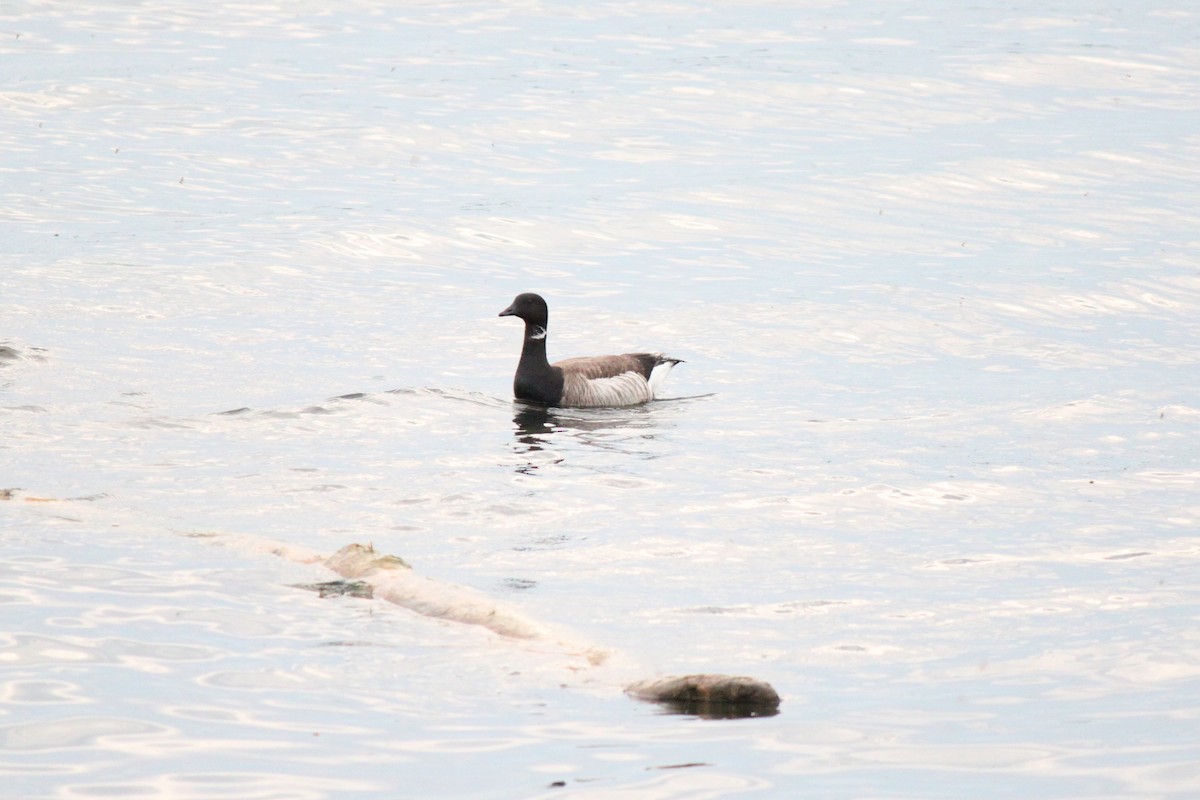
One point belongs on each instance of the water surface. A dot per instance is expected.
(929, 467)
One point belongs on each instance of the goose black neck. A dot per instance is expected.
(536, 380)
(533, 351)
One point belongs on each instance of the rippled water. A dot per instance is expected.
(929, 468)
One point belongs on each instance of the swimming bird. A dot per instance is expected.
(623, 380)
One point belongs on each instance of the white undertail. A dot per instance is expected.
(658, 376)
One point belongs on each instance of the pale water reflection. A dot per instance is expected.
(932, 472)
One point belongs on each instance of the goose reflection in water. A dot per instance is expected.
(531, 424)
(542, 428)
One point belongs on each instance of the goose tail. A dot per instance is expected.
(658, 375)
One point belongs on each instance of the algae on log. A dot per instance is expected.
(342, 588)
(710, 696)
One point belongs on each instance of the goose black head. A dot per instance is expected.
(529, 307)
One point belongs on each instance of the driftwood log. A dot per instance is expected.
(705, 695)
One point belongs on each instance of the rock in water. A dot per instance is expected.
(710, 696)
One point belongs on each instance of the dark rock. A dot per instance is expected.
(710, 696)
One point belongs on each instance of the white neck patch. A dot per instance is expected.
(538, 332)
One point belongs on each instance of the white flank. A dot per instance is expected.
(626, 389)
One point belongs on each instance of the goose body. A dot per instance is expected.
(624, 380)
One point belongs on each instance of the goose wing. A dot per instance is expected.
(594, 367)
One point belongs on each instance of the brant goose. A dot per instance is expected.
(624, 380)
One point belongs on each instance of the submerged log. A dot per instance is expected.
(710, 696)
(393, 580)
